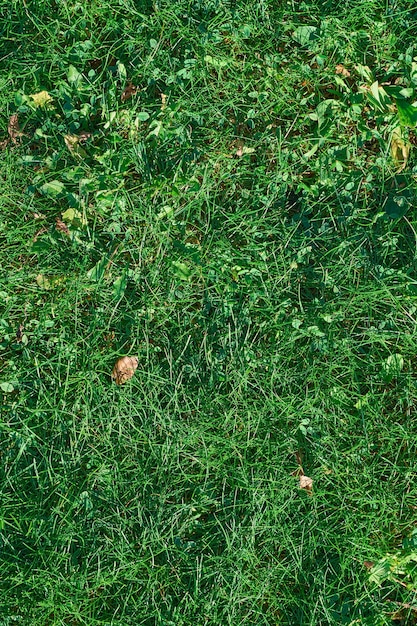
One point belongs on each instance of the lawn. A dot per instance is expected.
(227, 191)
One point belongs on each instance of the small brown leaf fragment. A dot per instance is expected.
(124, 368)
(3, 144)
(84, 136)
(13, 128)
(131, 90)
(306, 483)
(19, 333)
(340, 69)
(73, 144)
(61, 226)
(163, 101)
(368, 564)
(39, 233)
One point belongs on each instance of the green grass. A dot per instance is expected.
(249, 237)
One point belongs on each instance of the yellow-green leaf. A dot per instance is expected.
(41, 99)
(49, 282)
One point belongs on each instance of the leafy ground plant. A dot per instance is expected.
(208, 313)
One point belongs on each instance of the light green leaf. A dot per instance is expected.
(53, 189)
(6, 387)
(49, 282)
(73, 75)
(393, 365)
(121, 70)
(96, 273)
(216, 62)
(181, 270)
(305, 35)
(142, 116)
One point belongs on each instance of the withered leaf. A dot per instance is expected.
(124, 368)
(19, 333)
(73, 144)
(306, 483)
(13, 128)
(400, 150)
(340, 69)
(163, 101)
(130, 91)
(61, 226)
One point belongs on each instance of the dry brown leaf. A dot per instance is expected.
(39, 233)
(19, 333)
(340, 69)
(163, 101)
(124, 368)
(242, 149)
(131, 90)
(61, 226)
(368, 564)
(73, 144)
(306, 483)
(13, 128)
(3, 144)
(400, 151)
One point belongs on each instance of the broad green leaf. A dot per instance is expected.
(215, 62)
(53, 189)
(381, 571)
(73, 218)
(304, 35)
(407, 113)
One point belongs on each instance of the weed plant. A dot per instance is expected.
(226, 190)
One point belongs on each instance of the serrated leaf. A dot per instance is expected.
(381, 571)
